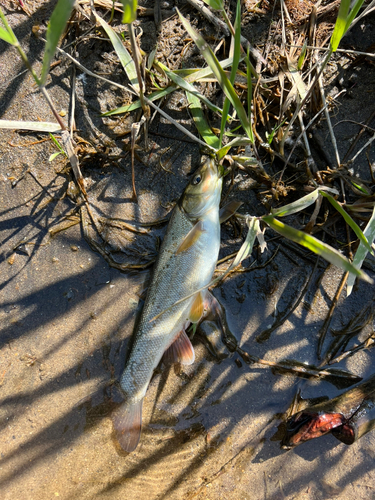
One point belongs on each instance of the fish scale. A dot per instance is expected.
(165, 290)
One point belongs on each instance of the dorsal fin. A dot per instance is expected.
(180, 351)
(197, 308)
(228, 210)
(191, 237)
(127, 424)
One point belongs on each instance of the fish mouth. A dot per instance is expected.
(215, 168)
(213, 177)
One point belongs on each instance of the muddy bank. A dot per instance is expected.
(67, 314)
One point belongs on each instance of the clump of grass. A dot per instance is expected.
(238, 124)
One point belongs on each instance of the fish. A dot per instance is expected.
(348, 417)
(185, 264)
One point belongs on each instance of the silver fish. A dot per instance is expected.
(186, 263)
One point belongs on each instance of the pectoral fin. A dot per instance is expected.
(228, 210)
(214, 312)
(127, 424)
(197, 309)
(180, 351)
(191, 237)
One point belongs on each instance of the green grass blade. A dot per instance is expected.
(296, 206)
(189, 88)
(349, 221)
(59, 147)
(339, 29)
(302, 57)
(122, 53)
(154, 96)
(224, 118)
(231, 133)
(54, 155)
(361, 252)
(274, 130)
(155, 84)
(300, 204)
(249, 72)
(237, 141)
(192, 75)
(343, 22)
(236, 61)
(237, 43)
(215, 4)
(200, 121)
(246, 161)
(186, 73)
(130, 11)
(361, 188)
(353, 13)
(124, 109)
(203, 73)
(151, 58)
(7, 34)
(56, 26)
(327, 252)
(218, 71)
(57, 144)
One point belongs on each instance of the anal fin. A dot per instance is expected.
(127, 424)
(180, 351)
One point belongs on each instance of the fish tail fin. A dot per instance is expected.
(127, 424)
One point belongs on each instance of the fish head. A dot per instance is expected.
(203, 192)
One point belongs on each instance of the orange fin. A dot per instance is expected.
(197, 308)
(228, 210)
(127, 424)
(191, 237)
(180, 351)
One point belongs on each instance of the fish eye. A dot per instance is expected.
(197, 180)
